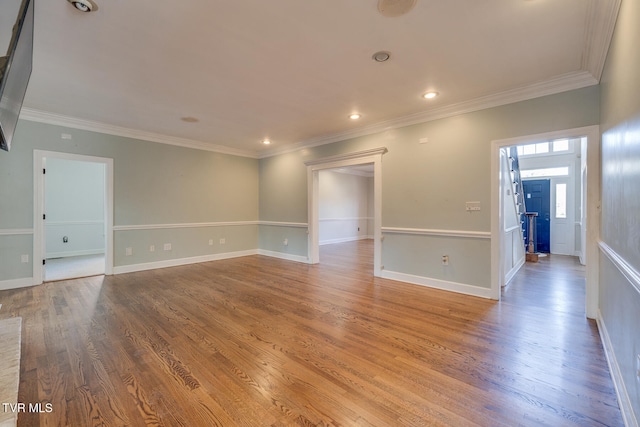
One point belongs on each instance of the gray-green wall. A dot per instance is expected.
(162, 194)
(425, 186)
(75, 208)
(345, 207)
(620, 254)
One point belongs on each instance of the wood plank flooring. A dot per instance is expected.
(257, 341)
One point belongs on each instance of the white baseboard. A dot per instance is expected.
(180, 261)
(626, 408)
(511, 274)
(16, 283)
(461, 288)
(28, 281)
(74, 253)
(282, 255)
(344, 240)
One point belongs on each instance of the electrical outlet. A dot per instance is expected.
(445, 259)
(128, 251)
(24, 258)
(285, 242)
(223, 241)
(152, 248)
(167, 246)
(210, 242)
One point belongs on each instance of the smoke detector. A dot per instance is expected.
(392, 8)
(84, 5)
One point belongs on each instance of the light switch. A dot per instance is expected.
(472, 206)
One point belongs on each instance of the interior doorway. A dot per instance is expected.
(589, 221)
(368, 157)
(345, 218)
(73, 221)
(346, 204)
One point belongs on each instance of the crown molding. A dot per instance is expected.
(562, 83)
(34, 115)
(348, 156)
(601, 21)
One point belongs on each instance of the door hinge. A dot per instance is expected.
(44, 216)
(44, 171)
(44, 261)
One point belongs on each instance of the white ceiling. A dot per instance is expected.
(292, 71)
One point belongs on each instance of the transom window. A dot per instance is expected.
(556, 146)
(545, 173)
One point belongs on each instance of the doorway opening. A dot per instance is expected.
(370, 160)
(345, 218)
(562, 184)
(73, 216)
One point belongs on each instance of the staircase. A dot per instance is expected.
(518, 191)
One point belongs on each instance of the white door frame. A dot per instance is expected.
(592, 219)
(39, 251)
(313, 206)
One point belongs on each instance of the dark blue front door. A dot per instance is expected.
(537, 198)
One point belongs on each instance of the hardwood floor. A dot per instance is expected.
(257, 341)
(73, 267)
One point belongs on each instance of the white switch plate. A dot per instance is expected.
(223, 241)
(472, 206)
(152, 248)
(128, 251)
(167, 246)
(210, 242)
(24, 258)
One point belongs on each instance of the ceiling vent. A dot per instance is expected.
(392, 8)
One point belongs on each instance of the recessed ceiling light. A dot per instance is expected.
(266, 141)
(355, 116)
(392, 8)
(84, 5)
(381, 56)
(430, 95)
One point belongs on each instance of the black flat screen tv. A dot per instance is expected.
(15, 66)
